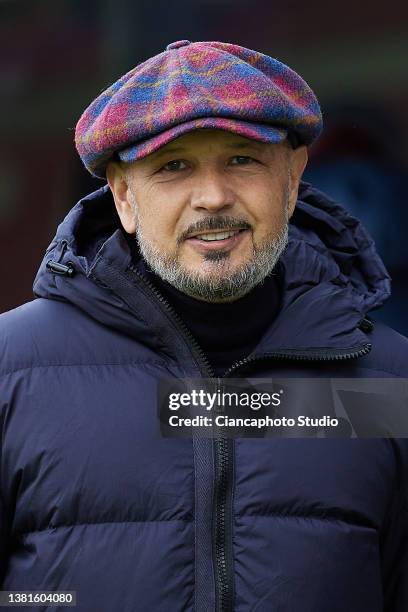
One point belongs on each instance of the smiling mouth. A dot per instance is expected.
(217, 240)
(216, 235)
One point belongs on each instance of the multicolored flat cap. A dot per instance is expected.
(193, 86)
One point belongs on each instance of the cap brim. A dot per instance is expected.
(256, 131)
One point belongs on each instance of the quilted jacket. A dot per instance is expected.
(93, 499)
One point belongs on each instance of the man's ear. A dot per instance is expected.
(298, 160)
(118, 183)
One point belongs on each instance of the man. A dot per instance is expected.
(180, 267)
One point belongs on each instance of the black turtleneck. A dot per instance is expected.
(227, 332)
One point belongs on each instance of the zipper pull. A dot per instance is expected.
(59, 268)
(366, 325)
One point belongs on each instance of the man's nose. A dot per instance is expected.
(211, 191)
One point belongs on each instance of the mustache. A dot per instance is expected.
(214, 223)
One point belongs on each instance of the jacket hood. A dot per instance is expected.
(331, 276)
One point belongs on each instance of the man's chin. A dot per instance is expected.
(217, 281)
(214, 262)
(215, 268)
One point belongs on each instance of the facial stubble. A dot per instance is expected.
(221, 284)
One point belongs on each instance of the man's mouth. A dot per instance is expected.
(221, 235)
(226, 240)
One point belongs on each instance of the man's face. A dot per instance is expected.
(210, 210)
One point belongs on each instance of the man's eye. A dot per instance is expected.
(241, 160)
(174, 165)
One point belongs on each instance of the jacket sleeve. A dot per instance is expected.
(394, 541)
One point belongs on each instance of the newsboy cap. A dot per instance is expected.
(195, 85)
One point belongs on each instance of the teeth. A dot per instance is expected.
(217, 236)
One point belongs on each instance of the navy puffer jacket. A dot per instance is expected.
(92, 499)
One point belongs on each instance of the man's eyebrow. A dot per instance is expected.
(258, 146)
(166, 151)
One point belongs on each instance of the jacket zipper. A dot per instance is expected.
(223, 472)
(223, 447)
(201, 358)
(328, 355)
(222, 532)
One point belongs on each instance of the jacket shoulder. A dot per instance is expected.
(32, 333)
(47, 332)
(390, 351)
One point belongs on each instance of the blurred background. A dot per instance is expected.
(58, 55)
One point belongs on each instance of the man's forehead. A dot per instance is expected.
(218, 138)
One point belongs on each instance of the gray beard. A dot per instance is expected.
(219, 286)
